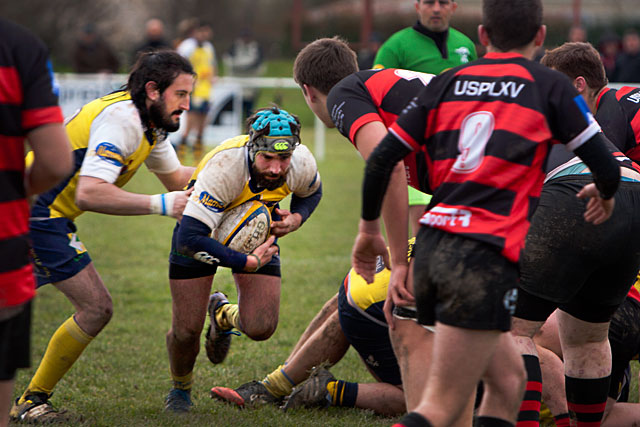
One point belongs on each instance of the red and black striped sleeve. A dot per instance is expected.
(350, 105)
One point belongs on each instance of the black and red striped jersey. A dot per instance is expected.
(26, 102)
(377, 96)
(486, 129)
(616, 123)
(629, 99)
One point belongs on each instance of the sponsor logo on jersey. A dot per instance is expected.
(209, 202)
(337, 116)
(464, 53)
(476, 88)
(110, 153)
(635, 98)
(443, 217)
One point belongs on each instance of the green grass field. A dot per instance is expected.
(123, 376)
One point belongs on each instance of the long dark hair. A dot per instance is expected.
(161, 67)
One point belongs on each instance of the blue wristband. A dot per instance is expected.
(164, 204)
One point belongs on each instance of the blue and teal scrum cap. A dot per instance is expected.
(274, 131)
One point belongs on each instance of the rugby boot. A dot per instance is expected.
(37, 409)
(251, 394)
(218, 340)
(178, 401)
(312, 393)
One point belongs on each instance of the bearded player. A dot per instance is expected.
(266, 165)
(111, 138)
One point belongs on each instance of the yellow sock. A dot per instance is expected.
(65, 346)
(183, 383)
(228, 316)
(278, 383)
(332, 388)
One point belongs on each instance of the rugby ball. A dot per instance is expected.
(244, 227)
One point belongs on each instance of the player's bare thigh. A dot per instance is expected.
(259, 304)
(189, 303)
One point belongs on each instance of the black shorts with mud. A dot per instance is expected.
(182, 267)
(584, 269)
(462, 282)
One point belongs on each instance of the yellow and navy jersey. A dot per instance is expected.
(222, 180)
(368, 298)
(109, 143)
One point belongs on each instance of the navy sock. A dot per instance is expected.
(343, 393)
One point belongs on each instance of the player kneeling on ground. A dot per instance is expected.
(266, 166)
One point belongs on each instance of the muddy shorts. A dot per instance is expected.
(585, 269)
(462, 282)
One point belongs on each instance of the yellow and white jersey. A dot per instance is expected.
(222, 181)
(108, 143)
(203, 60)
(368, 298)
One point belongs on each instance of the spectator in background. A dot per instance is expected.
(92, 54)
(577, 34)
(628, 62)
(609, 48)
(185, 29)
(154, 38)
(28, 109)
(245, 59)
(431, 45)
(200, 52)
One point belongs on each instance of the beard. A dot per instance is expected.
(160, 118)
(261, 180)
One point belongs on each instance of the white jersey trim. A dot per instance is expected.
(583, 136)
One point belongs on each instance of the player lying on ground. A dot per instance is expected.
(353, 317)
(266, 165)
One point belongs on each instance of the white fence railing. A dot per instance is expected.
(75, 90)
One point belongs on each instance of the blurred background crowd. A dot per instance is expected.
(105, 35)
